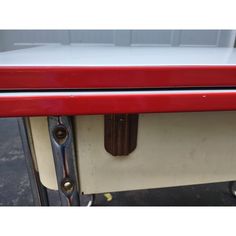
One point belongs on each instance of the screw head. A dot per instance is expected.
(60, 133)
(67, 186)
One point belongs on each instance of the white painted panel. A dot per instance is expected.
(199, 37)
(227, 38)
(152, 37)
(15, 39)
(122, 37)
(43, 151)
(91, 36)
(172, 149)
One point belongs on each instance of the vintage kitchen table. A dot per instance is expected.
(102, 118)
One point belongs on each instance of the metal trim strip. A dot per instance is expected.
(89, 103)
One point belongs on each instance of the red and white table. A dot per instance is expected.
(87, 82)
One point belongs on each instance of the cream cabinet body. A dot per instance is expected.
(173, 149)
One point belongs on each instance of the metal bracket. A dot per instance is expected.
(61, 135)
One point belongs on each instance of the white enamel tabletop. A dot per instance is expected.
(77, 55)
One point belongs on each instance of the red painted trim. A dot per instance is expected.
(36, 77)
(37, 104)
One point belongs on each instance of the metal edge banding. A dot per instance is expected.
(15, 104)
(61, 136)
(100, 77)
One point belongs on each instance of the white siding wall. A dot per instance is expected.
(15, 39)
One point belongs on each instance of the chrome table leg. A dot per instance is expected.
(61, 136)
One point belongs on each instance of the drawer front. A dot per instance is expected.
(172, 149)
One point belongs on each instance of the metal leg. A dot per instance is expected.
(39, 192)
(61, 135)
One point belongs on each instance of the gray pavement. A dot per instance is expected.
(15, 187)
(14, 181)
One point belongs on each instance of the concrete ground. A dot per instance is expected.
(15, 187)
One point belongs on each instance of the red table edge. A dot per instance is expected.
(91, 103)
(117, 77)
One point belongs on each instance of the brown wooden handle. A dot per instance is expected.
(120, 133)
